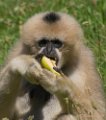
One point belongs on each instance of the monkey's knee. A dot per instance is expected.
(66, 117)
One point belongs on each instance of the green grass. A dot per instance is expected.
(90, 14)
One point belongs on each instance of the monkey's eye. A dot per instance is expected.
(57, 43)
(42, 43)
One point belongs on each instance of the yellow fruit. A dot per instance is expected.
(49, 64)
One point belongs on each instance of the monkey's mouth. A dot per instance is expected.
(39, 57)
(54, 59)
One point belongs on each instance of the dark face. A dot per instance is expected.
(49, 48)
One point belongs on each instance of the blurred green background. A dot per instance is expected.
(91, 14)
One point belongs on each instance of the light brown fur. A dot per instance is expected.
(77, 94)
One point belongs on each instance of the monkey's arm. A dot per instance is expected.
(9, 84)
(10, 78)
(77, 102)
(72, 99)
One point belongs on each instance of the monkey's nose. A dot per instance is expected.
(49, 48)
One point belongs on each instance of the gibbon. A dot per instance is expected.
(28, 89)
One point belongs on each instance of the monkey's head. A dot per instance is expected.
(55, 35)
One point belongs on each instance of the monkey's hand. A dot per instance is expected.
(65, 90)
(71, 98)
(56, 85)
(10, 77)
(27, 67)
